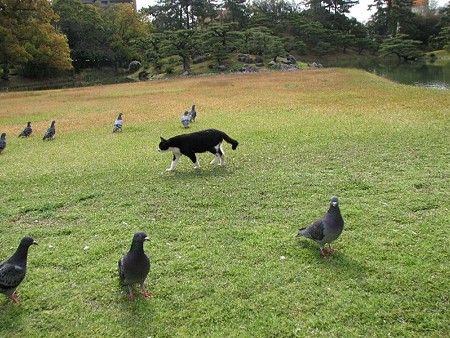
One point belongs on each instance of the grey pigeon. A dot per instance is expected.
(326, 229)
(50, 133)
(2, 142)
(193, 113)
(186, 119)
(13, 270)
(135, 265)
(118, 123)
(27, 131)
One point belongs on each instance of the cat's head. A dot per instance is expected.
(163, 145)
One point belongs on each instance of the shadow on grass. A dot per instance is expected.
(204, 172)
(338, 261)
(132, 312)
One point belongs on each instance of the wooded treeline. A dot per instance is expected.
(40, 38)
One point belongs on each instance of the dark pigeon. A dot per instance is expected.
(13, 270)
(27, 131)
(326, 229)
(2, 142)
(118, 123)
(193, 113)
(135, 265)
(50, 133)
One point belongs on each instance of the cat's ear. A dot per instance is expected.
(162, 140)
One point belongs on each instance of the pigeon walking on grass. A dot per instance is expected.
(2, 142)
(186, 119)
(118, 123)
(13, 270)
(50, 133)
(135, 265)
(27, 131)
(326, 229)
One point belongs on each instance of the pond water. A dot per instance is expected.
(425, 74)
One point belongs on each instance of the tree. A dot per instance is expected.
(123, 26)
(311, 33)
(150, 48)
(28, 39)
(273, 14)
(182, 42)
(391, 16)
(339, 6)
(443, 39)
(236, 11)
(50, 52)
(221, 39)
(401, 46)
(342, 40)
(86, 33)
(181, 14)
(204, 11)
(260, 41)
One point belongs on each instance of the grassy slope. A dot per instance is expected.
(218, 235)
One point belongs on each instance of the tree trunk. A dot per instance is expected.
(5, 75)
(186, 64)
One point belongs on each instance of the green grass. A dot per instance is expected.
(440, 54)
(219, 235)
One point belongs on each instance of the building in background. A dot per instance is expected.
(420, 7)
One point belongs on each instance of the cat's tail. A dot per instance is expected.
(233, 143)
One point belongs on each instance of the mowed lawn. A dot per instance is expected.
(225, 260)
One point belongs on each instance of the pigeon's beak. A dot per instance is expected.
(146, 239)
(35, 243)
(334, 204)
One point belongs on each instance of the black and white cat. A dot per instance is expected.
(197, 142)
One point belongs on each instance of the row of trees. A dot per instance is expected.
(42, 37)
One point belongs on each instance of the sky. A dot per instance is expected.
(360, 11)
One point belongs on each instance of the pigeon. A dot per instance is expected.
(193, 113)
(325, 229)
(118, 123)
(186, 119)
(135, 265)
(27, 131)
(50, 133)
(13, 270)
(2, 142)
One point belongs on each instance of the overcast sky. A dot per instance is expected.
(360, 11)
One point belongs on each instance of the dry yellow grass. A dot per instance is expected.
(160, 100)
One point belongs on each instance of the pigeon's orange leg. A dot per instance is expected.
(330, 250)
(322, 253)
(145, 293)
(131, 295)
(14, 298)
